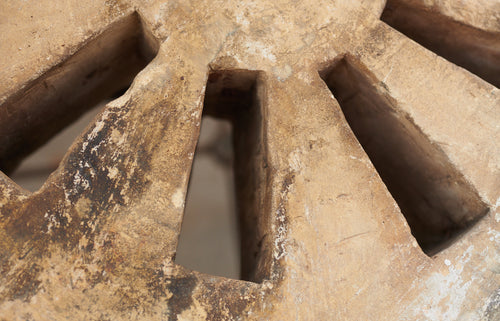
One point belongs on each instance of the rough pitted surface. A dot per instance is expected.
(98, 240)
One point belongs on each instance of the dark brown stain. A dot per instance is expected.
(233, 297)
(26, 283)
(181, 288)
(31, 224)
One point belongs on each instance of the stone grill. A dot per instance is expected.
(366, 163)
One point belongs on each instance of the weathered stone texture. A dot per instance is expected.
(324, 237)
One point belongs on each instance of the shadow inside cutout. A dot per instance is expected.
(436, 200)
(103, 69)
(209, 240)
(235, 96)
(473, 49)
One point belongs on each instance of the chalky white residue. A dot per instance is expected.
(98, 126)
(168, 268)
(496, 210)
(282, 72)
(52, 222)
(279, 242)
(79, 180)
(112, 172)
(294, 160)
(306, 77)
(446, 293)
(240, 18)
(280, 227)
(259, 49)
(494, 235)
(178, 198)
(5, 197)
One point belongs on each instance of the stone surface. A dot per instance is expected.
(322, 235)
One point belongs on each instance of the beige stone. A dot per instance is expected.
(349, 137)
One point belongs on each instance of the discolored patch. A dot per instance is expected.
(493, 309)
(25, 284)
(182, 290)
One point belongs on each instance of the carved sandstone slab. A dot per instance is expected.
(367, 167)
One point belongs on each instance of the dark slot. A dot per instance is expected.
(209, 237)
(473, 49)
(101, 70)
(436, 200)
(36, 167)
(234, 96)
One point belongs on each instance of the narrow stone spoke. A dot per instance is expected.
(116, 202)
(326, 187)
(133, 163)
(453, 110)
(464, 34)
(35, 44)
(458, 113)
(473, 13)
(112, 186)
(92, 68)
(456, 110)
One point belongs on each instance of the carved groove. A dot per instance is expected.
(471, 48)
(100, 70)
(436, 200)
(236, 96)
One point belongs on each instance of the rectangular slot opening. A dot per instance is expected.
(209, 238)
(473, 49)
(102, 70)
(234, 98)
(34, 170)
(436, 200)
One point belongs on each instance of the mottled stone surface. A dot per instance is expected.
(322, 236)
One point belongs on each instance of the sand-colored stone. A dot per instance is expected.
(98, 240)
